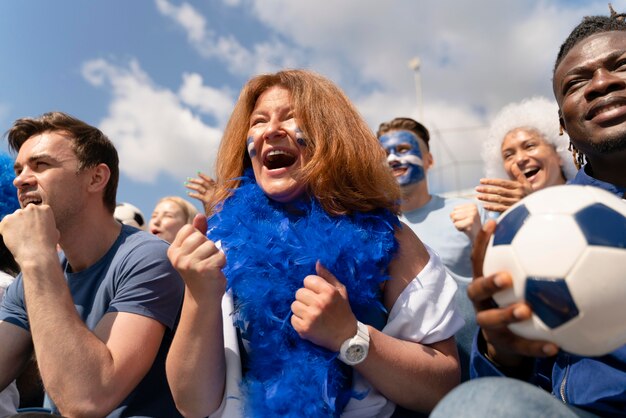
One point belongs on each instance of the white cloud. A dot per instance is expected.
(476, 56)
(194, 93)
(151, 127)
(187, 17)
(261, 57)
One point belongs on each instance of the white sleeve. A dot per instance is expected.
(425, 311)
(231, 406)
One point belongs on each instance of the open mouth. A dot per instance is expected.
(278, 159)
(31, 201)
(398, 169)
(531, 172)
(607, 106)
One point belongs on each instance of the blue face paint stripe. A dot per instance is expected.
(251, 149)
(300, 138)
(409, 159)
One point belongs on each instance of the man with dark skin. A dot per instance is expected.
(590, 87)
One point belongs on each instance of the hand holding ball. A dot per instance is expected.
(565, 247)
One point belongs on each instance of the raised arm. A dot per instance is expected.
(466, 218)
(196, 369)
(84, 372)
(201, 188)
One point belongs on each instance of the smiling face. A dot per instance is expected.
(46, 169)
(404, 156)
(167, 218)
(276, 146)
(590, 87)
(537, 159)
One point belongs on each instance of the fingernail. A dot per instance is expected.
(549, 349)
(518, 312)
(498, 281)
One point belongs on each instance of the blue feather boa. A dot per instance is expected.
(8, 192)
(269, 251)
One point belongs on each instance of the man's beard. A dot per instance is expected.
(607, 145)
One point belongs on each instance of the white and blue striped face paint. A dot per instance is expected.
(404, 156)
(300, 138)
(251, 149)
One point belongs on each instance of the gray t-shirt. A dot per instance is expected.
(134, 276)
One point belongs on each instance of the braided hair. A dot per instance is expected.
(591, 25)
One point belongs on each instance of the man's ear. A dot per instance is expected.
(429, 160)
(100, 176)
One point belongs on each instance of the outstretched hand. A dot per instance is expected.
(321, 311)
(498, 194)
(202, 188)
(503, 346)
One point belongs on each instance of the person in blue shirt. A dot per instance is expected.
(101, 312)
(448, 225)
(589, 84)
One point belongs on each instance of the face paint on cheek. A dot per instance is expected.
(251, 149)
(414, 174)
(300, 138)
(405, 156)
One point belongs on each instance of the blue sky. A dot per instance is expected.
(160, 77)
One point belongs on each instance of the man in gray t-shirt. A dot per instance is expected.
(100, 315)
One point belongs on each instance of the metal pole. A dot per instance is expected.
(415, 65)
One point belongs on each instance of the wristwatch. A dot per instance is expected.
(354, 350)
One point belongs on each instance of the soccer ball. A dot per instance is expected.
(129, 215)
(565, 247)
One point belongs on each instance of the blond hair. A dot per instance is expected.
(346, 169)
(189, 210)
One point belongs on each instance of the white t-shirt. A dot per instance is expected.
(425, 312)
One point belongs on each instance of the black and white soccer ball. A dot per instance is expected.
(130, 215)
(565, 247)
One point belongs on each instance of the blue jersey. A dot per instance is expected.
(596, 384)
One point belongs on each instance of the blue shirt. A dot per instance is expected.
(596, 384)
(134, 276)
(585, 179)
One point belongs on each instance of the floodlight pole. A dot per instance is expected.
(415, 65)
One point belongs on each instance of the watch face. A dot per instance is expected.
(355, 353)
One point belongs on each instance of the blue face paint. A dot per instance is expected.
(404, 156)
(251, 149)
(300, 138)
